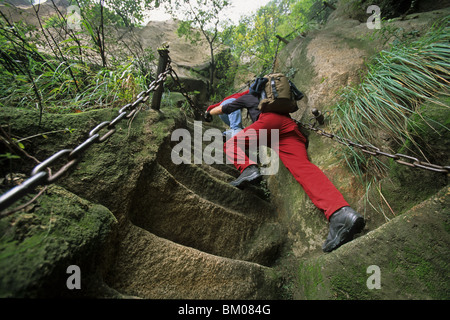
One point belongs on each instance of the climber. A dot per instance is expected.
(234, 119)
(344, 222)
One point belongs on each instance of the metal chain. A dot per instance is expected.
(183, 91)
(40, 176)
(374, 151)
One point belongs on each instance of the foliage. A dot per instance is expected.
(202, 20)
(254, 38)
(62, 70)
(125, 13)
(398, 83)
(84, 64)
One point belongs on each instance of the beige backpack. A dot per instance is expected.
(279, 95)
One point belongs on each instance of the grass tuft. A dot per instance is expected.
(384, 107)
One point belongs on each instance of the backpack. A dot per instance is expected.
(278, 94)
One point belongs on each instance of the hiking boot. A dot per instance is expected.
(344, 224)
(251, 173)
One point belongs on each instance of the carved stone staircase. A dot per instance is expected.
(191, 235)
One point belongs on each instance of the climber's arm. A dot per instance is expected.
(216, 111)
(213, 112)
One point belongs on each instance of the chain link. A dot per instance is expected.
(403, 159)
(40, 176)
(197, 111)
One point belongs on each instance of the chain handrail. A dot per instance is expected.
(374, 151)
(183, 91)
(41, 176)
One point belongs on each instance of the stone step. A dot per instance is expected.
(224, 172)
(213, 185)
(150, 267)
(168, 209)
(217, 167)
(406, 258)
(227, 174)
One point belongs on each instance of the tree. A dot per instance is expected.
(255, 36)
(131, 12)
(99, 13)
(59, 60)
(202, 17)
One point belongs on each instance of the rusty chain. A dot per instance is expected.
(403, 159)
(41, 176)
(183, 91)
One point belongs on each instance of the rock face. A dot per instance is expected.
(191, 62)
(322, 62)
(406, 258)
(139, 226)
(39, 246)
(328, 59)
(170, 231)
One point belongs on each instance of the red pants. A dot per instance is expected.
(292, 152)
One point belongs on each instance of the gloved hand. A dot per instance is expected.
(208, 117)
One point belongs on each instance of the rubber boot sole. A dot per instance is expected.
(241, 183)
(255, 183)
(346, 233)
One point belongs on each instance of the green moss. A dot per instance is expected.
(62, 131)
(310, 280)
(419, 273)
(322, 278)
(61, 230)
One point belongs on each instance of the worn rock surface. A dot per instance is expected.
(140, 226)
(322, 62)
(410, 255)
(38, 246)
(171, 233)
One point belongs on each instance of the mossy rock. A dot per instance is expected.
(37, 246)
(411, 253)
(73, 222)
(101, 165)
